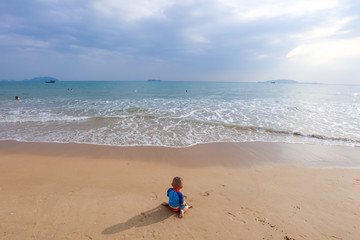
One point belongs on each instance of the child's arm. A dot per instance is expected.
(167, 194)
(181, 199)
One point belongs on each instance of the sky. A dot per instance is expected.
(181, 40)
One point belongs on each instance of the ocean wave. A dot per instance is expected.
(140, 114)
(143, 117)
(41, 119)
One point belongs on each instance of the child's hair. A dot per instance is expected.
(177, 182)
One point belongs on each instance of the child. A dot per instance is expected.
(176, 198)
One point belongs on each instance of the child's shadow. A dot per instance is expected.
(155, 215)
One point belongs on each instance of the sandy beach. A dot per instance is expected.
(236, 191)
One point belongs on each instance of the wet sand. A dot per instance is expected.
(236, 190)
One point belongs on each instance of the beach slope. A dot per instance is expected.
(236, 191)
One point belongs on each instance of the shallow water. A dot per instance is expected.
(179, 113)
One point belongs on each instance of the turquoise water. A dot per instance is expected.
(179, 114)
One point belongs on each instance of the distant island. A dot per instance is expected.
(287, 81)
(42, 79)
(36, 79)
(154, 80)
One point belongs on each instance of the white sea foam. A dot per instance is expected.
(172, 119)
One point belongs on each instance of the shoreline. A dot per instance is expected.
(237, 191)
(244, 154)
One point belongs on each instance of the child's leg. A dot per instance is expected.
(182, 211)
(165, 204)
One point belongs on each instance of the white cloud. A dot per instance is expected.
(131, 10)
(326, 52)
(198, 37)
(329, 28)
(252, 10)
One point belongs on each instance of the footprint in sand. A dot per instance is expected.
(357, 181)
(142, 217)
(332, 237)
(154, 196)
(288, 238)
(205, 194)
(265, 221)
(233, 217)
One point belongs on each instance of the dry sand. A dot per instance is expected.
(237, 191)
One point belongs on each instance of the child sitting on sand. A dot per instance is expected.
(176, 198)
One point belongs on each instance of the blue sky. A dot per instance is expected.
(181, 40)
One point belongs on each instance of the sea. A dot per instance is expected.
(179, 114)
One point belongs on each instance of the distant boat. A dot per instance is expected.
(51, 81)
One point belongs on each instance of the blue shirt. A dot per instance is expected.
(176, 198)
